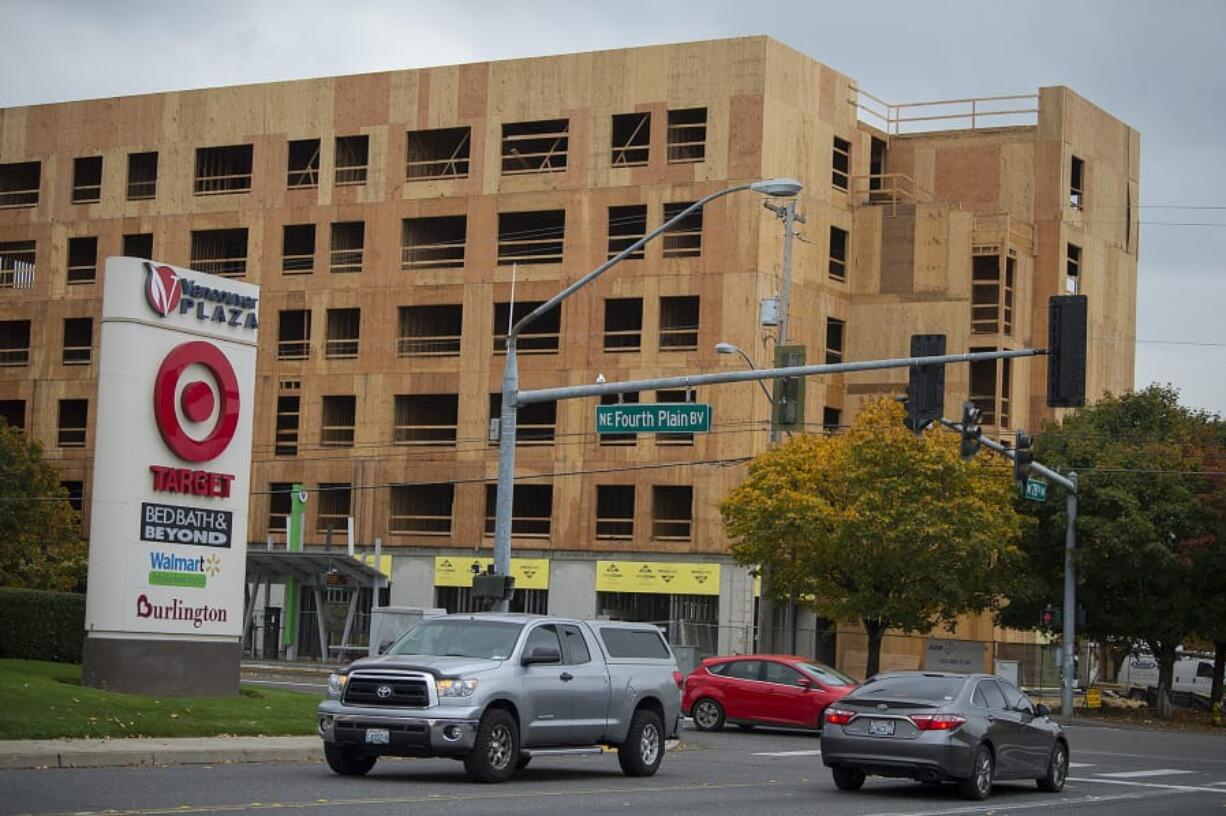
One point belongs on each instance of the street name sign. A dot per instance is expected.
(1036, 490)
(656, 417)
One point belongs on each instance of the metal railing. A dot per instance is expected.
(19, 198)
(350, 175)
(418, 524)
(424, 434)
(971, 113)
(889, 188)
(293, 349)
(442, 345)
(221, 184)
(442, 255)
(298, 264)
(223, 267)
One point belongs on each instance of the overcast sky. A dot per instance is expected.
(1154, 65)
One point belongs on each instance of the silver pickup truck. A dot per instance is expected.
(496, 690)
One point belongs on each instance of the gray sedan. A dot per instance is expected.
(969, 729)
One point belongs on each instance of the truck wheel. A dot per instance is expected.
(346, 761)
(495, 750)
(708, 715)
(848, 779)
(643, 748)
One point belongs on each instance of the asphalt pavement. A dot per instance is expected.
(1116, 771)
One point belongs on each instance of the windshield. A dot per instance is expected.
(827, 675)
(488, 640)
(909, 687)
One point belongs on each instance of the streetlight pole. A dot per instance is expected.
(782, 187)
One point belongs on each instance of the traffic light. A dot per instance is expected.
(1023, 458)
(788, 410)
(971, 416)
(1051, 616)
(926, 385)
(1066, 346)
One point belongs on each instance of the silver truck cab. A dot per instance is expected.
(494, 690)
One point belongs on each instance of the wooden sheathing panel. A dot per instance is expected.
(969, 175)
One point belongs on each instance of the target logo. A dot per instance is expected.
(163, 288)
(196, 416)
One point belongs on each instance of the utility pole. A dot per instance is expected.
(788, 215)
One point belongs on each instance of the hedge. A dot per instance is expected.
(38, 625)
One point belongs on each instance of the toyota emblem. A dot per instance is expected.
(383, 692)
(880, 706)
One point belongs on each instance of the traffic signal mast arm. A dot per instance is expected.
(1011, 455)
(691, 380)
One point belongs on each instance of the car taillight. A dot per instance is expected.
(839, 716)
(937, 722)
(679, 679)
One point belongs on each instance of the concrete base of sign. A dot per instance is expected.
(179, 668)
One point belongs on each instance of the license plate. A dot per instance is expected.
(881, 728)
(380, 736)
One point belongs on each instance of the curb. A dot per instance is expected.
(38, 754)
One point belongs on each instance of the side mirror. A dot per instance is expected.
(1042, 710)
(384, 646)
(541, 654)
(805, 683)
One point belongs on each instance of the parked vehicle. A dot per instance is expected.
(762, 690)
(497, 690)
(937, 727)
(1191, 682)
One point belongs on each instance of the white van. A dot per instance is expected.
(1191, 683)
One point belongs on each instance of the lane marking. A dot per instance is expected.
(1143, 774)
(1002, 807)
(1185, 788)
(1152, 758)
(1081, 765)
(814, 752)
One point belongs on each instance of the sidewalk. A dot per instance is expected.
(87, 753)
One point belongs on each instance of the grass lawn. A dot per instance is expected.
(46, 700)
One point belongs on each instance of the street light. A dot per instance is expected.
(776, 187)
(729, 348)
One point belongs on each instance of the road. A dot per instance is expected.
(1117, 772)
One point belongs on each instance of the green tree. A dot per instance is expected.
(1209, 552)
(1141, 523)
(877, 526)
(40, 534)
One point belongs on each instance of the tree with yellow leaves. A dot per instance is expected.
(879, 526)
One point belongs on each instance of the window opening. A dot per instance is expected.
(832, 419)
(19, 182)
(437, 154)
(535, 147)
(142, 176)
(876, 163)
(426, 419)
(286, 442)
(623, 324)
(294, 334)
(421, 509)
(436, 242)
(78, 340)
(679, 323)
(348, 239)
(985, 294)
(83, 259)
(631, 139)
(14, 342)
(672, 512)
(1076, 191)
(537, 422)
(841, 160)
(352, 153)
(298, 249)
(87, 180)
(683, 239)
(336, 427)
(1072, 283)
(617, 440)
(14, 413)
(334, 501)
(538, 337)
(835, 330)
(838, 254)
(220, 252)
(221, 170)
(627, 225)
(76, 494)
(430, 331)
(531, 237)
(303, 168)
(983, 387)
(138, 245)
(687, 135)
(684, 395)
(343, 327)
(17, 264)
(615, 511)
(531, 509)
(280, 505)
(74, 418)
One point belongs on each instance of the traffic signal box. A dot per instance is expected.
(788, 410)
(1066, 344)
(926, 384)
(972, 415)
(1023, 458)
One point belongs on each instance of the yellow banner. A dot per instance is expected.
(661, 577)
(457, 571)
(385, 563)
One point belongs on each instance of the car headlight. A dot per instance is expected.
(336, 684)
(456, 688)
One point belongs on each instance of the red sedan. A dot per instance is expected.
(762, 690)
